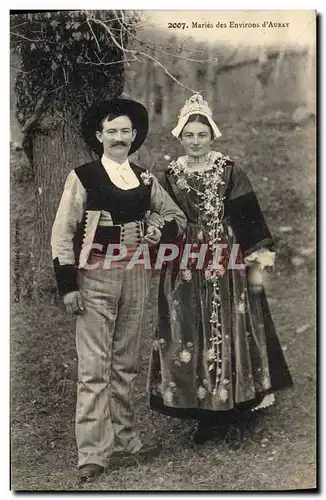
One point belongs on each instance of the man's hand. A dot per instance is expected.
(73, 302)
(152, 236)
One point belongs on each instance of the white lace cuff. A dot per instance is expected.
(264, 257)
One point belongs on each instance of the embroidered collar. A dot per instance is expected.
(181, 163)
(199, 159)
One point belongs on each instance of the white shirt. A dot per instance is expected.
(121, 175)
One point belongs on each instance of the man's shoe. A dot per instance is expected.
(89, 472)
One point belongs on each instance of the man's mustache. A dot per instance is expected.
(119, 143)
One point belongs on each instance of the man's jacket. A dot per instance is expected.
(88, 195)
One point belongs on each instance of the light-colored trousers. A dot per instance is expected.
(108, 342)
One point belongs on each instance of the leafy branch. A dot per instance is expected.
(135, 53)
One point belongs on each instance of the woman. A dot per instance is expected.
(216, 352)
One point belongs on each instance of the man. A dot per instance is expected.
(107, 204)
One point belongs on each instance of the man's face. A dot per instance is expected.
(116, 136)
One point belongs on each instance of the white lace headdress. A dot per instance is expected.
(195, 106)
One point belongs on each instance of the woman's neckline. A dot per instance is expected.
(199, 167)
(204, 166)
(199, 164)
(199, 159)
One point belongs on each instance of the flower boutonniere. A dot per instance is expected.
(147, 178)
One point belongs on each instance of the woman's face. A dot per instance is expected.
(196, 139)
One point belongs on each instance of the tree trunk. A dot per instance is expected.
(54, 155)
(260, 83)
(278, 65)
(211, 73)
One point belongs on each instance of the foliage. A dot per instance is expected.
(58, 53)
(21, 170)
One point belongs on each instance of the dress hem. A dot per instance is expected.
(156, 404)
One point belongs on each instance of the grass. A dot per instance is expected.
(273, 451)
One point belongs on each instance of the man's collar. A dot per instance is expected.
(108, 163)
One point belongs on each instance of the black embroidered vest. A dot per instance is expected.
(124, 205)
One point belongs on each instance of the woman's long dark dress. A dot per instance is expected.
(187, 378)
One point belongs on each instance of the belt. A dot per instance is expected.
(129, 233)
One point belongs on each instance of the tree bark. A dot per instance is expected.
(55, 153)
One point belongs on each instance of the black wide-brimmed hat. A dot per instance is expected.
(133, 109)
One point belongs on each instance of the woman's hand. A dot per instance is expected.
(259, 261)
(152, 236)
(255, 277)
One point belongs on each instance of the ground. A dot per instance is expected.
(276, 449)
